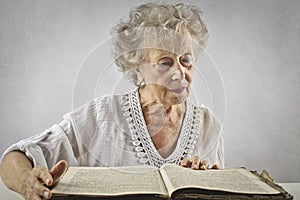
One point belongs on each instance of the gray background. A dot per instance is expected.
(254, 44)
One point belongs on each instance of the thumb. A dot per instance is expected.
(58, 170)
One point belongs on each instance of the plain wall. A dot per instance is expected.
(253, 44)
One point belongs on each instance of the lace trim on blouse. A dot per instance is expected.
(141, 140)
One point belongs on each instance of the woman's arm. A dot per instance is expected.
(18, 174)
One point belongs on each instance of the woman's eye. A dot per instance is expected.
(165, 62)
(186, 60)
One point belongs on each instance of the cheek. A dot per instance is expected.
(151, 76)
(163, 78)
(159, 81)
(189, 75)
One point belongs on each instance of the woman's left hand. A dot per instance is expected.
(196, 163)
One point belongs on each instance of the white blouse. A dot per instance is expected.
(111, 131)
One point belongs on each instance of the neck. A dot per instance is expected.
(153, 104)
(163, 120)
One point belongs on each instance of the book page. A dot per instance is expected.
(111, 181)
(229, 180)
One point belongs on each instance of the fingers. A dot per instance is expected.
(58, 170)
(196, 163)
(34, 185)
(204, 165)
(37, 181)
(186, 162)
(43, 175)
(40, 190)
(215, 166)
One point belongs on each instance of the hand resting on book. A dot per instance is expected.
(38, 180)
(197, 163)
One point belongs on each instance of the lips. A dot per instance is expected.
(178, 90)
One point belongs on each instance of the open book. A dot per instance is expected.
(170, 181)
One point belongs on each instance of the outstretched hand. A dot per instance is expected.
(36, 182)
(197, 164)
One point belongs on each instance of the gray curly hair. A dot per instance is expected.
(158, 26)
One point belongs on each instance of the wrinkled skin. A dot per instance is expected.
(33, 183)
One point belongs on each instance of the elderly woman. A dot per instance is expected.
(156, 123)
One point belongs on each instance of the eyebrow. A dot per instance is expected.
(166, 55)
(162, 55)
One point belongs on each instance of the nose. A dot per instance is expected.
(178, 73)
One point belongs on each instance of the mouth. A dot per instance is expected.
(178, 90)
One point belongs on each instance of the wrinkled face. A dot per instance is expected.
(168, 75)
